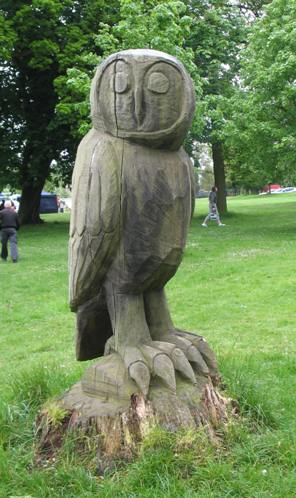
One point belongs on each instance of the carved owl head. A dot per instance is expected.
(145, 96)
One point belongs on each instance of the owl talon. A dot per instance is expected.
(160, 365)
(145, 361)
(178, 358)
(136, 367)
(139, 372)
(164, 369)
(182, 365)
(195, 357)
(189, 344)
(183, 352)
(204, 349)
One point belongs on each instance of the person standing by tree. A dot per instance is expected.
(213, 210)
(9, 223)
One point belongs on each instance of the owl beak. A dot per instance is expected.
(138, 105)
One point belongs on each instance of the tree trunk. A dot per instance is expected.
(34, 172)
(219, 175)
(107, 409)
(30, 203)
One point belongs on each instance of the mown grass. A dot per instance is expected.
(236, 286)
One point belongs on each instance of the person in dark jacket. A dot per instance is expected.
(213, 210)
(9, 224)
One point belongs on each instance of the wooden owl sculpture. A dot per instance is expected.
(133, 197)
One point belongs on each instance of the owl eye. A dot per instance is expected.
(158, 83)
(121, 82)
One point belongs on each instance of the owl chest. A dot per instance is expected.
(156, 185)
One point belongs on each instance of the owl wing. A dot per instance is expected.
(95, 217)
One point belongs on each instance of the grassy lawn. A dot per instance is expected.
(237, 287)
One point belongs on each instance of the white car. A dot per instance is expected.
(284, 190)
(68, 202)
(14, 199)
(288, 190)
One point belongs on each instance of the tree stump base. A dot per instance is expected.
(106, 405)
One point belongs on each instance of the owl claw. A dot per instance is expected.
(139, 372)
(182, 365)
(195, 357)
(145, 361)
(164, 369)
(184, 352)
(160, 365)
(136, 367)
(196, 351)
(206, 352)
(178, 358)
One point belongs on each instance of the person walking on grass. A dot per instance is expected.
(213, 210)
(9, 224)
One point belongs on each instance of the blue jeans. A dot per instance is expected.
(9, 234)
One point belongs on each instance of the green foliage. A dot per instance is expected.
(205, 37)
(7, 38)
(159, 25)
(262, 130)
(55, 414)
(40, 40)
(217, 34)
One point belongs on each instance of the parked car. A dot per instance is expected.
(202, 193)
(68, 203)
(285, 190)
(48, 202)
(288, 190)
(3, 198)
(15, 198)
(282, 190)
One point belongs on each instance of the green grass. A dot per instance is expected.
(236, 286)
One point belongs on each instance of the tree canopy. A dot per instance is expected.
(205, 35)
(41, 39)
(262, 132)
(245, 85)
